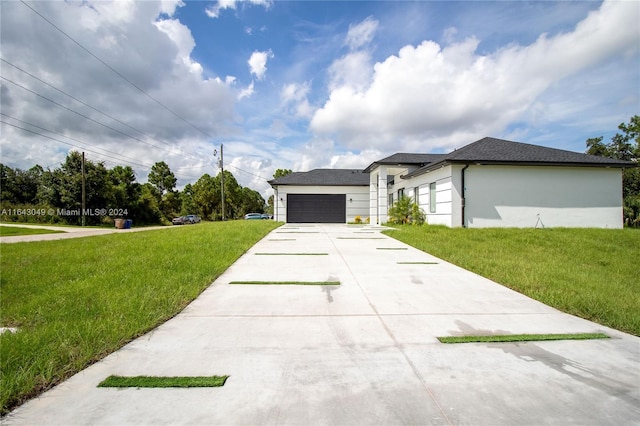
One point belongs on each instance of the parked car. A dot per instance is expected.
(267, 216)
(253, 216)
(193, 218)
(179, 220)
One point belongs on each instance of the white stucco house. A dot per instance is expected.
(488, 183)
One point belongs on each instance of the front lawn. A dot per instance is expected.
(11, 231)
(591, 273)
(75, 301)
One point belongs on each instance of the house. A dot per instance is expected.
(488, 183)
(321, 196)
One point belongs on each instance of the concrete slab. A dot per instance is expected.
(364, 352)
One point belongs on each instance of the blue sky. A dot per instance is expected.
(305, 85)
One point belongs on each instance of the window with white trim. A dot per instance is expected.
(432, 197)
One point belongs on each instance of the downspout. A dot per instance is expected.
(462, 201)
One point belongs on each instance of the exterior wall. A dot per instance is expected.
(447, 206)
(530, 196)
(357, 199)
(378, 196)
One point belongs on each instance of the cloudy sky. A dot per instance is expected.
(303, 85)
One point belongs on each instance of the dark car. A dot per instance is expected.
(179, 220)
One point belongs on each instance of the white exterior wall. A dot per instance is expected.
(526, 196)
(378, 197)
(447, 195)
(357, 199)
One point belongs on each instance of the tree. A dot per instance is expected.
(126, 191)
(65, 190)
(624, 146)
(251, 202)
(281, 172)
(147, 207)
(20, 186)
(189, 205)
(162, 177)
(206, 196)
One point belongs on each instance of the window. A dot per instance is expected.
(432, 197)
(400, 193)
(390, 200)
(416, 195)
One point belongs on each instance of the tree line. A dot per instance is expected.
(55, 196)
(624, 145)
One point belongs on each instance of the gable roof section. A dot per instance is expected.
(324, 177)
(404, 158)
(500, 151)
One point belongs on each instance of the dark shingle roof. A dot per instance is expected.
(404, 158)
(500, 151)
(324, 177)
(483, 151)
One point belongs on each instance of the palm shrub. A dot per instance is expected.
(404, 211)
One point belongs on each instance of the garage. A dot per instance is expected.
(316, 208)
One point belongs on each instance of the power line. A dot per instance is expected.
(66, 143)
(119, 160)
(245, 172)
(80, 101)
(82, 115)
(116, 72)
(125, 79)
(73, 139)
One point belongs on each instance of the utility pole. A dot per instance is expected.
(84, 195)
(222, 177)
(221, 165)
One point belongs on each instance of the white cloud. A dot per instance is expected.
(352, 70)
(214, 10)
(296, 95)
(361, 34)
(142, 42)
(429, 96)
(258, 63)
(183, 39)
(246, 92)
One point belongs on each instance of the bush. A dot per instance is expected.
(404, 211)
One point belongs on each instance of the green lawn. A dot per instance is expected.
(591, 273)
(10, 231)
(77, 300)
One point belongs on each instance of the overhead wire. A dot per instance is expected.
(80, 114)
(132, 160)
(80, 101)
(122, 77)
(115, 71)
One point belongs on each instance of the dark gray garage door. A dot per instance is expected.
(316, 208)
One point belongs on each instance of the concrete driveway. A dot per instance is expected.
(364, 352)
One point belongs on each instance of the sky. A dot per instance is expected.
(306, 84)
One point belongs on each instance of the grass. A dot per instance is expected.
(12, 231)
(163, 382)
(591, 273)
(521, 338)
(77, 300)
(286, 282)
